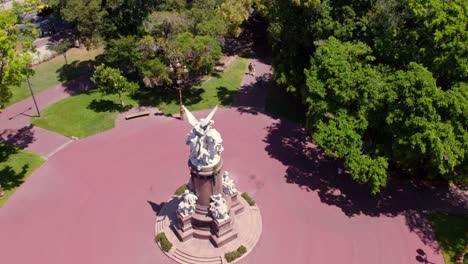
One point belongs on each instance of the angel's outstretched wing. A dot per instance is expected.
(209, 116)
(191, 119)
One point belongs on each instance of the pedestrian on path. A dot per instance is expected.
(250, 68)
(253, 70)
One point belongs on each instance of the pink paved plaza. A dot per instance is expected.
(95, 201)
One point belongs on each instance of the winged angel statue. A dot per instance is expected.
(204, 140)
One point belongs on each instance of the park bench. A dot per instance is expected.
(138, 114)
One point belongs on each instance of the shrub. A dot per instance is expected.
(231, 256)
(181, 190)
(166, 245)
(249, 199)
(63, 46)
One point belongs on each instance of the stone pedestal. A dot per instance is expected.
(184, 229)
(223, 232)
(236, 205)
(205, 182)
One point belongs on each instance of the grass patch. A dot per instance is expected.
(53, 72)
(82, 115)
(161, 238)
(452, 235)
(181, 190)
(219, 90)
(233, 255)
(90, 113)
(15, 166)
(249, 199)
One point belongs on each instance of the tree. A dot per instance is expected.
(234, 12)
(154, 72)
(110, 81)
(387, 83)
(122, 53)
(432, 33)
(207, 21)
(98, 19)
(427, 124)
(15, 44)
(86, 18)
(199, 52)
(343, 91)
(165, 24)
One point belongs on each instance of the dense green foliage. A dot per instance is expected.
(385, 82)
(15, 43)
(97, 19)
(110, 81)
(233, 255)
(148, 36)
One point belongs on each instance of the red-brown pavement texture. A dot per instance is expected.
(95, 201)
(15, 124)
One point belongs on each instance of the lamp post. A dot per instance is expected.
(179, 74)
(31, 91)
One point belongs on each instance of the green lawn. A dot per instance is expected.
(451, 232)
(82, 115)
(15, 166)
(219, 90)
(53, 72)
(90, 113)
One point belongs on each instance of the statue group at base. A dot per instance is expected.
(187, 204)
(218, 208)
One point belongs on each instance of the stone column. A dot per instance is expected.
(205, 183)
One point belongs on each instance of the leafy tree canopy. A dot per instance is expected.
(110, 81)
(15, 44)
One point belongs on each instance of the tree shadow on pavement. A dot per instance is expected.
(309, 168)
(20, 138)
(251, 97)
(155, 96)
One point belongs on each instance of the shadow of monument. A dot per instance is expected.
(308, 167)
(166, 209)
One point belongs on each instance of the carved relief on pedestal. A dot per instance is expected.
(218, 208)
(187, 203)
(229, 187)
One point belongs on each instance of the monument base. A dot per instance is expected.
(236, 205)
(223, 232)
(184, 230)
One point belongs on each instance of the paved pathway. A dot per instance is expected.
(95, 201)
(15, 124)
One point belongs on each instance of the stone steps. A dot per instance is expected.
(186, 258)
(254, 232)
